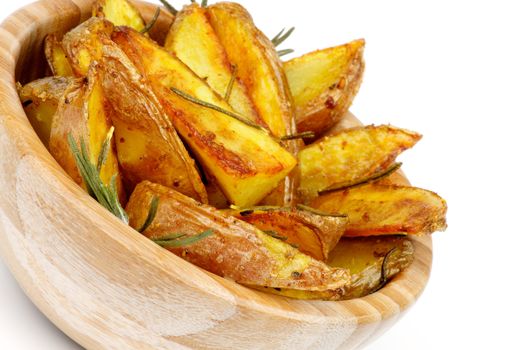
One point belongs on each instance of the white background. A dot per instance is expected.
(456, 71)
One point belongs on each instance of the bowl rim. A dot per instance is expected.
(17, 135)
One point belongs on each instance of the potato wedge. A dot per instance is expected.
(83, 44)
(245, 161)
(56, 57)
(259, 66)
(313, 234)
(372, 261)
(83, 113)
(192, 39)
(386, 209)
(351, 157)
(236, 250)
(148, 147)
(119, 12)
(40, 99)
(324, 83)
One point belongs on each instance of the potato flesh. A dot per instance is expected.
(193, 40)
(315, 235)
(386, 209)
(324, 83)
(236, 250)
(83, 44)
(119, 12)
(246, 162)
(40, 99)
(56, 57)
(351, 156)
(82, 112)
(148, 147)
(364, 258)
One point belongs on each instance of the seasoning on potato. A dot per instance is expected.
(202, 140)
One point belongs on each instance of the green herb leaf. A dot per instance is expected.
(218, 109)
(302, 135)
(153, 210)
(169, 7)
(280, 38)
(181, 240)
(285, 52)
(276, 235)
(231, 83)
(383, 275)
(149, 26)
(318, 212)
(204, 3)
(106, 195)
(103, 155)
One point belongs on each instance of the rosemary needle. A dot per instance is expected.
(318, 212)
(149, 26)
(280, 38)
(181, 240)
(105, 149)
(153, 210)
(284, 52)
(169, 7)
(231, 83)
(302, 135)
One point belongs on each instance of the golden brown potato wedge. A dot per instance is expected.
(236, 250)
(56, 57)
(192, 39)
(324, 83)
(351, 156)
(385, 209)
(259, 66)
(314, 235)
(372, 261)
(245, 161)
(83, 44)
(148, 147)
(119, 12)
(40, 99)
(83, 113)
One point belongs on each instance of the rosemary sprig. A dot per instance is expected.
(169, 7)
(181, 240)
(153, 210)
(231, 83)
(383, 273)
(106, 195)
(280, 38)
(302, 135)
(376, 177)
(218, 109)
(149, 26)
(105, 149)
(204, 3)
(318, 212)
(276, 235)
(285, 52)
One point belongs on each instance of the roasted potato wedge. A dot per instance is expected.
(313, 234)
(259, 66)
(119, 12)
(236, 250)
(83, 44)
(324, 83)
(40, 99)
(83, 113)
(57, 59)
(351, 156)
(192, 39)
(245, 161)
(148, 147)
(372, 261)
(386, 209)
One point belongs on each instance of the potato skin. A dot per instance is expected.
(377, 209)
(315, 235)
(246, 162)
(236, 250)
(119, 12)
(351, 156)
(324, 83)
(56, 57)
(148, 147)
(193, 40)
(83, 113)
(40, 99)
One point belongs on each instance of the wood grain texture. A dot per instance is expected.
(105, 285)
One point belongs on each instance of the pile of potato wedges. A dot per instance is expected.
(211, 131)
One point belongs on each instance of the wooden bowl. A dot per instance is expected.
(105, 285)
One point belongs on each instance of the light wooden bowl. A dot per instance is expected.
(104, 284)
